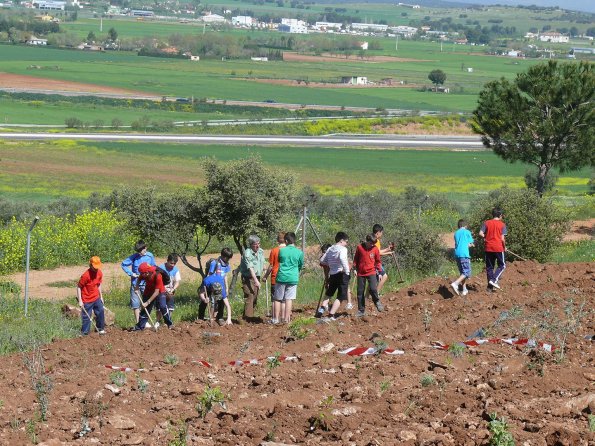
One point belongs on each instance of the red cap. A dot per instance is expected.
(145, 268)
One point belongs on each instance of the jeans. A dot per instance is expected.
(90, 308)
(361, 285)
(161, 300)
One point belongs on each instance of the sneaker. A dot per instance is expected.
(274, 322)
(349, 306)
(465, 292)
(101, 332)
(360, 313)
(157, 324)
(379, 306)
(170, 326)
(455, 288)
(321, 311)
(332, 318)
(494, 284)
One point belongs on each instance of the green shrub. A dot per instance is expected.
(535, 226)
(59, 241)
(73, 123)
(498, 427)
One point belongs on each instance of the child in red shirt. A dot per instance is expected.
(90, 298)
(367, 263)
(154, 291)
(494, 232)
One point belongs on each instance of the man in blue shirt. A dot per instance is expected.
(217, 267)
(130, 266)
(463, 241)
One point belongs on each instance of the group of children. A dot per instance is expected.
(152, 285)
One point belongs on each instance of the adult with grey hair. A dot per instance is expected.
(251, 269)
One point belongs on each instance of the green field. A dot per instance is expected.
(42, 171)
(235, 79)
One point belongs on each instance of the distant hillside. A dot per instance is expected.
(578, 5)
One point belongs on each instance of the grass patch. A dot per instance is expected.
(43, 324)
(64, 283)
(579, 251)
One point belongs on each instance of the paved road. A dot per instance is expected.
(363, 141)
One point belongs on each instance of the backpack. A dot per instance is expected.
(164, 275)
(209, 265)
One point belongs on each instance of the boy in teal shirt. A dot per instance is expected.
(463, 241)
(291, 261)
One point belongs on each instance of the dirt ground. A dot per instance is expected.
(327, 57)
(294, 83)
(426, 396)
(35, 83)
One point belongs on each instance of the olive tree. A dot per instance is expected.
(437, 77)
(243, 197)
(544, 117)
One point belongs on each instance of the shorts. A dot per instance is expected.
(285, 291)
(339, 281)
(464, 264)
(134, 297)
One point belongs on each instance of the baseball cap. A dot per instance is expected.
(145, 268)
(95, 262)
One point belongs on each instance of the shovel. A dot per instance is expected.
(401, 280)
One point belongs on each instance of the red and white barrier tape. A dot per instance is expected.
(240, 362)
(511, 341)
(202, 362)
(123, 369)
(366, 351)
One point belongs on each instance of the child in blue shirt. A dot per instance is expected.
(217, 272)
(463, 241)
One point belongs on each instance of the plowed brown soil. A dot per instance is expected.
(37, 83)
(328, 398)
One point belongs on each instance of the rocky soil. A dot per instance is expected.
(426, 396)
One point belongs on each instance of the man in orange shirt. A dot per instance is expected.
(273, 269)
(90, 298)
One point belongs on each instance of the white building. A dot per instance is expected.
(408, 5)
(405, 31)
(50, 5)
(354, 80)
(553, 37)
(293, 26)
(324, 26)
(36, 41)
(369, 27)
(242, 20)
(213, 18)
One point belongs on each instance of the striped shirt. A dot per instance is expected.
(336, 259)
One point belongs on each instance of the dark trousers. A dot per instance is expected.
(202, 309)
(493, 259)
(90, 308)
(161, 300)
(373, 289)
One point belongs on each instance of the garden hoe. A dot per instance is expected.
(90, 318)
(516, 255)
(320, 298)
(401, 280)
(146, 311)
(266, 285)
